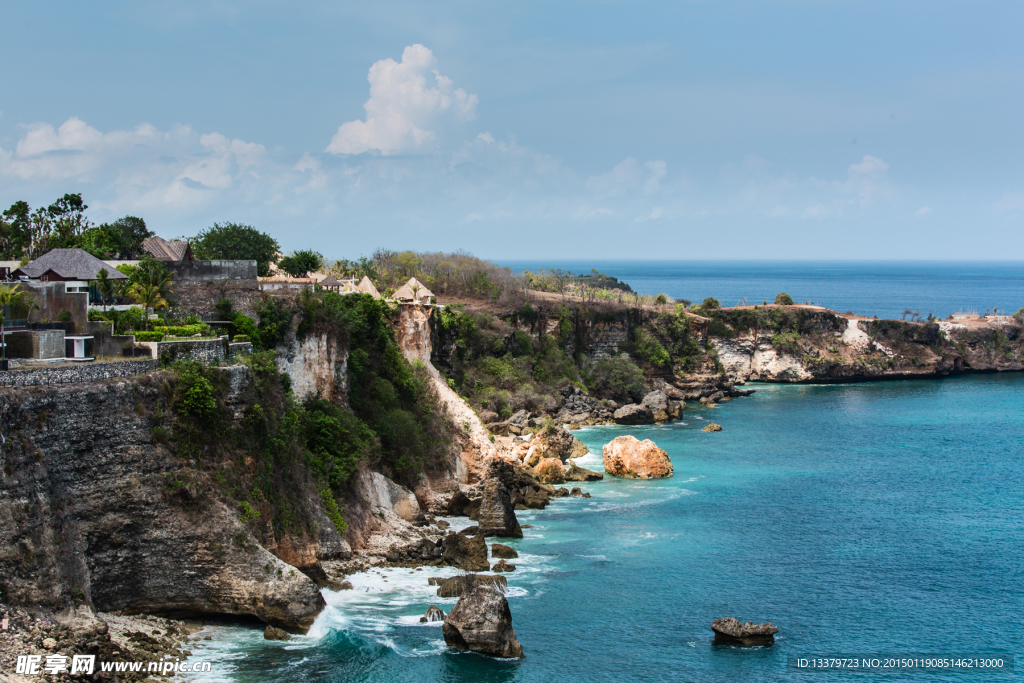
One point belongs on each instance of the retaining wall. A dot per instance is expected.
(208, 271)
(91, 372)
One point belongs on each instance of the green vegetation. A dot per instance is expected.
(26, 234)
(235, 241)
(448, 274)
(301, 263)
(783, 299)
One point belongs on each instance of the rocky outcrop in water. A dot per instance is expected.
(482, 622)
(712, 427)
(503, 551)
(576, 473)
(273, 633)
(457, 585)
(496, 515)
(434, 613)
(730, 630)
(630, 458)
(465, 552)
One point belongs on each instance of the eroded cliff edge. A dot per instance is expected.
(95, 509)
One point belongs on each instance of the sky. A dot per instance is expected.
(799, 129)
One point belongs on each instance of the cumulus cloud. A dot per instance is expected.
(868, 179)
(629, 177)
(407, 99)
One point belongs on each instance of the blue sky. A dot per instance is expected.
(800, 129)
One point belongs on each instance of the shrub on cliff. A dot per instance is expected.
(783, 299)
(710, 304)
(619, 378)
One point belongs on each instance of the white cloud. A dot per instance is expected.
(656, 213)
(587, 212)
(403, 107)
(868, 179)
(629, 177)
(923, 211)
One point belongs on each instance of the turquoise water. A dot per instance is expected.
(859, 518)
(882, 288)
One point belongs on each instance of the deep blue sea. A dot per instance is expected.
(882, 288)
(881, 518)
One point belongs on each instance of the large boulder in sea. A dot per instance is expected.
(559, 443)
(662, 407)
(457, 585)
(496, 516)
(482, 622)
(730, 630)
(576, 473)
(633, 414)
(465, 552)
(712, 427)
(503, 551)
(630, 458)
(550, 471)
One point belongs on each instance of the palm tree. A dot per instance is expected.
(151, 289)
(105, 287)
(9, 297)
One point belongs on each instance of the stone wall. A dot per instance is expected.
(39, 344)
(201, 297)
(210, 271)
(207, 351)
(86, 372)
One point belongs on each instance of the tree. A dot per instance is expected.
(710, 304)
(105, 287)
(121, 239)
(234, 241)
(784, 299)
(151, 287)
(68, 221)
(10, 300)
(301, 263)
(15, 231)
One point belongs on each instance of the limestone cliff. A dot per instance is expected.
(317, 363)
(834, 348)
(413, 334)
(95, 509)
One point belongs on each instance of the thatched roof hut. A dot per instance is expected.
(413, 291)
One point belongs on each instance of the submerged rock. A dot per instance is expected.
(712, 427)
(730, 630)
(551, 471)
(628, 457)
(457, 585)
(496, 516)
(434, 613)
(576, 473)
(482, 622)
(503, 551)
(464, 552)
(274, 633)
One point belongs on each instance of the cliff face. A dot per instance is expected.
(413, 334)
(94, 509)
(316, 364)
(834, 348)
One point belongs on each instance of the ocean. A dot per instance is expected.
(882, 288)
(861, 519)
